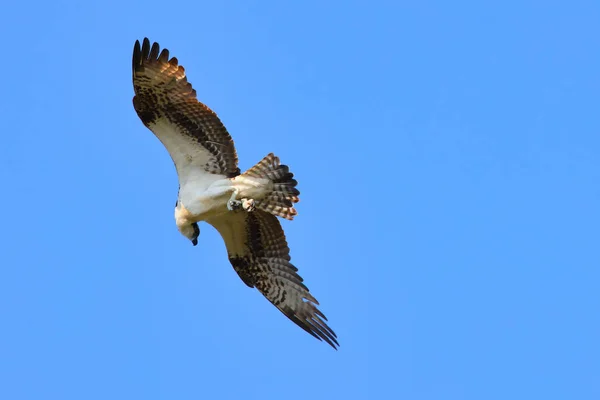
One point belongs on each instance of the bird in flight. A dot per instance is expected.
(242, 207)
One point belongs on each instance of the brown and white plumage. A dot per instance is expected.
(259, 253)
(192, 133)
(210, 184)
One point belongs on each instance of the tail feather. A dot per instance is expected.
(280, 202)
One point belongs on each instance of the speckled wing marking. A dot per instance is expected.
(259, 253)
(163, 97)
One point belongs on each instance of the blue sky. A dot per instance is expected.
(447, 156)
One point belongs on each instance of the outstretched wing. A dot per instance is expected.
(166, 103)
(259, 253)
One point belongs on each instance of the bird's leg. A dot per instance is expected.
(233, 204)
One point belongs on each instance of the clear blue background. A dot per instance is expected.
(447, 154)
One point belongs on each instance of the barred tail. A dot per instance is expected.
(280, 202)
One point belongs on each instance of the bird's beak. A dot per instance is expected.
(195, 242)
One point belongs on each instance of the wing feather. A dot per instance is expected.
(165, 101)
(259, 253)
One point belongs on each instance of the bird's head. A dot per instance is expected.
(191, 231)
(187, 229)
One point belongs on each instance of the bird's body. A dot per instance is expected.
(243, 207)
(204, 199)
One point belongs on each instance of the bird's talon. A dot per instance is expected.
(248, 205)
(234, 205)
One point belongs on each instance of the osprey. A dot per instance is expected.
(242, 207)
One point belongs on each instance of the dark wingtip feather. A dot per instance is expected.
(145, 48)
(137, 56)
(154, 51)
(148, 52)
(164, 56)
(314, 323)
